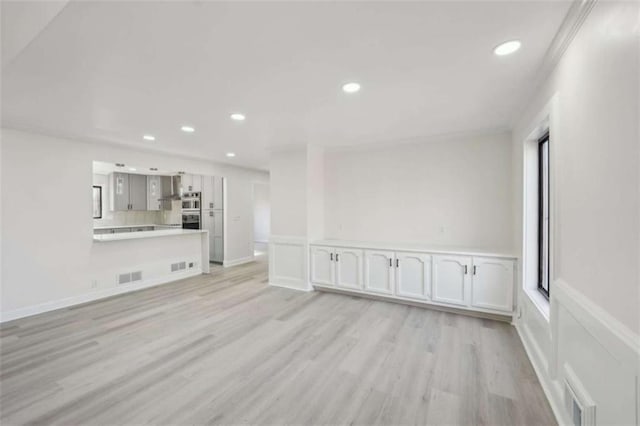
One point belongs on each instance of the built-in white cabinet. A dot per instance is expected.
(379, 272)
(211, 193)
(212, 222)
(348, 270)
(154, 192)
(492, 284)
(451, 280)
(191, 183)
(413, 275)
(480, 283)
(128, 191)
(337, 267)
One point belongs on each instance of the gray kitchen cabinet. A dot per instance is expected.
(191, 183)
(154, 192)
(138, 192)
(128, 192)
(120, 191)
(207, 193)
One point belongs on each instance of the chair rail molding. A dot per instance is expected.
(602, 353)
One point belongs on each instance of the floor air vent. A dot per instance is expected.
(178, 266)
(579, 407)
(129, 277)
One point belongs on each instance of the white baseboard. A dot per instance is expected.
(93, 296)
(539, 366)
(290, 286)
(240, 261)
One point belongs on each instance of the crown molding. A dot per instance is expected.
(575, 17)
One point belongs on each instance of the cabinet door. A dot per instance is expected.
(218, 233)
(208, 224)
(154, 192)
(218, 184)
(120, 192)
(207, 193)
(378, 271)
(451, 279)
(413, 275)
(138, 192)
(323, 269)
(492, 284)
(348, 268)
(186, 182)
(196, 183)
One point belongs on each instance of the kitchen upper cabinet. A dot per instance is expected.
(191, 183)
(379, 271)
(413, 275)
(154, 192)
(218, 189)
(323, 266)
(128, 192)
(492, 286)
(348, 268)
(119, 191)
(451, 279)
(207, 193)
(138, 192)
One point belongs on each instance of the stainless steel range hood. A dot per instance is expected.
(171, 188)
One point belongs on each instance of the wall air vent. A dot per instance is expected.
(579, 408)
(178, 266)
(129, 277)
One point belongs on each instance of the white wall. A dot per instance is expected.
(592, 97)
(262, 213)
(47, 246)
(288, 183)
(596, 163)
(454, 191)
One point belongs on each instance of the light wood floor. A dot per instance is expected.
(226, 348)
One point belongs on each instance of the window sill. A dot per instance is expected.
(539, 301)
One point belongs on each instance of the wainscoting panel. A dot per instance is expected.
(288, 262)
(584, 346)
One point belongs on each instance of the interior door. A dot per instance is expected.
(451, 279)
(348, 268)
(492, 284)
(138, 192)
(413, 275)
(378, 271)
(120, 192)
(323, 269)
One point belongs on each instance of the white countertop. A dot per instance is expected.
(144, 225)
(415, 247)
(145, 234)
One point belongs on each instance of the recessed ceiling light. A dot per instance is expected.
(507, 48)
(351, 87)
(237, 116)
(187, 129)
(231, 154)
(149, 138)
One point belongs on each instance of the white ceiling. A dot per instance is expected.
(113, 71)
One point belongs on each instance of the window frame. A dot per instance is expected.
(100, 194)
(542, 192)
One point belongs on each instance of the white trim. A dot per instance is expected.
(239, 261)
(540, 367)
(619, 340)
(93, 296)
(290, 287)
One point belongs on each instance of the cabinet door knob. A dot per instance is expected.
(331, 257)
(397, 263)
(474, 269)
(390, 263)
(465, 269)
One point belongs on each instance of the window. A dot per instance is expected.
(97, 202)
(543, 215)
